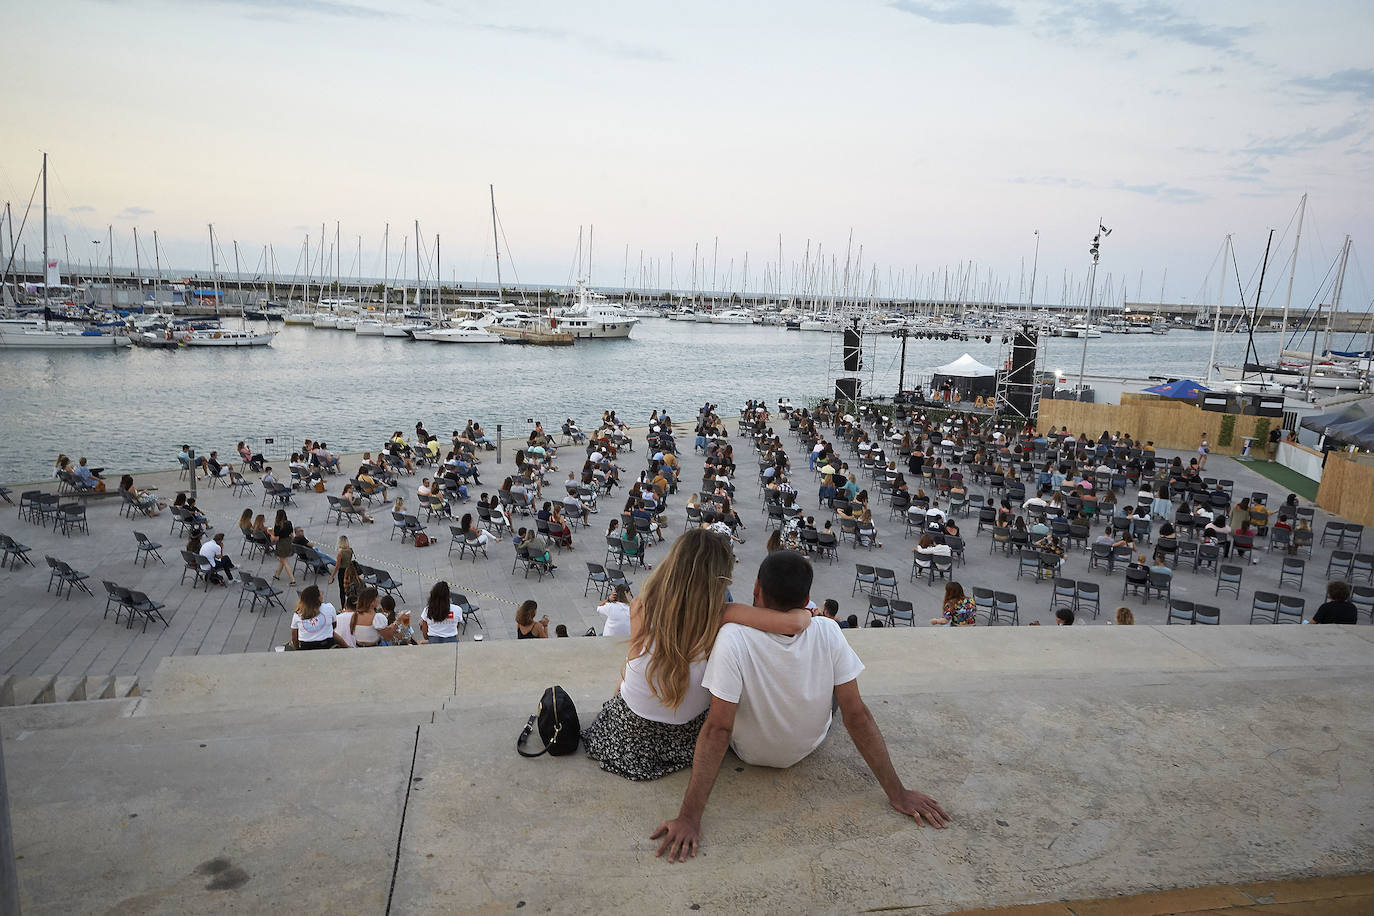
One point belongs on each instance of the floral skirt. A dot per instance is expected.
(639, 748)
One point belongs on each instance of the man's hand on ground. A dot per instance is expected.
(920, 806)
(680, 839)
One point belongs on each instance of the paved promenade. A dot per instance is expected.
(41, 634)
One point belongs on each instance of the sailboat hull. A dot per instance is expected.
(38, 339)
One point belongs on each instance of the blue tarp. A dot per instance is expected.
(1183, 388)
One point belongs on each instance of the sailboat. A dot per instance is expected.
(62, 337)
(226, 337)
(520, 327)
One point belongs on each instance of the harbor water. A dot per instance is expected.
(132, 409)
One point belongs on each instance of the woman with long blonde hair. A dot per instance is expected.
(649, 728)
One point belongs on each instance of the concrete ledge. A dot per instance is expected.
(1077, 763)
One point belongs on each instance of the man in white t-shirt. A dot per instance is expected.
(771, 700)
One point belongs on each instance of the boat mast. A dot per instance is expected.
(1336, 297)
(1216, 319)
(111, 263)
(214, 268)
(238, 281)
(386, 238)
(1035, 265)
(307, 269)
(496, 240)
(438, 280)
(1292, 269)
(1250, 318)
(157, 272)
(417, 264)
(45, 242)
(138, 271)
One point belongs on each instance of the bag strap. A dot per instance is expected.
(525, 736)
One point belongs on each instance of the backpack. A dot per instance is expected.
(319, 486)
(421, 539)
(559, 727)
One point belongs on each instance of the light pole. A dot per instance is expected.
(1102, 232)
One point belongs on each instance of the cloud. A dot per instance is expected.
(1151, 18)
(961, 12)
(1359, 82)
(1304, 140)
(608, 47)
(133, 213)
(81, 208)
(1163, 191)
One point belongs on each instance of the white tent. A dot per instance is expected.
(966, 367)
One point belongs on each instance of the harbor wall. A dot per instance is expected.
(1168, 424)
(1347, 488)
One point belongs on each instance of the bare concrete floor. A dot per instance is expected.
(44, 635)
(1076, 763)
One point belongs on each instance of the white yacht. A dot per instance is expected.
(32, 338)
(732, 316)
(589, 319)
(226, 337)
(1080, 331)
(469, 332)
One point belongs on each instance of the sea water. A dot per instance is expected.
(133, 409)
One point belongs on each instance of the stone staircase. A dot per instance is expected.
(26, 691)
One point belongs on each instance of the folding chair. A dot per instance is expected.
(1291, 609)
(1264, 608)
(1228, 577)
(1180, 612)
(146, 549)
(866, 576)
(879, 608)
(145, 607)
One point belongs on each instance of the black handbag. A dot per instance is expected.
(559, 727)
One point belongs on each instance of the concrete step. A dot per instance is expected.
(22, 691)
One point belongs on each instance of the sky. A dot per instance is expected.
(930, 134)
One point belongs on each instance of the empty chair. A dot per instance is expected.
(1228, 577)
(1006, 607)
(118, 597)
(146, 549)
(984, 600)
(885, 582)
(1333, 531)
(901, 612)
(1088, 597)
(11, 552)
(145, 607)
(1186, 555)
(1362, 567)
(1291, 609)
(1338, 567)
(956, 548)
(596, 576)
(879, 608)
(1180, 612)
(865, 576)
(1206, 614)
(1063, 594)
(239, 485)
(1264, 607)
(1363, 599)
(1028, 563)
(72, 517)
(1351, 537)
(382, 581)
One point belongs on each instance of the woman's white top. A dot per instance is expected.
(642, 702)
(447, 627)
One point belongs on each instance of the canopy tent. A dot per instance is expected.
(1326, 423)
(1181, 388)
(965, 379)
(966, 367)
(1359, 433)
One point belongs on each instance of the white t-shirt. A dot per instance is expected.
(783, 685)
(448, 627)
(211, 551)
(634, 690)
(617, 615)
(317, 628)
